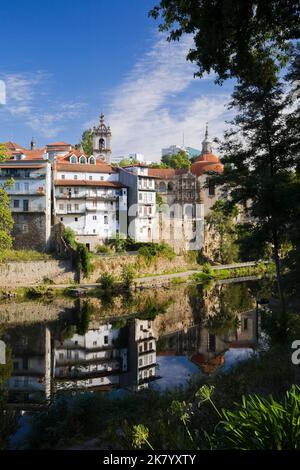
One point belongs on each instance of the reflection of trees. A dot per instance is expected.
(232, 299)
(7, 422)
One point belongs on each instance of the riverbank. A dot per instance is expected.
(204, 274)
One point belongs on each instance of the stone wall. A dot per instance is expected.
(114, 265)
(18, 274)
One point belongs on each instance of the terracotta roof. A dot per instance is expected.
(58, 144)
(108, 184)
(166, 173)
(12, 146)
(28, 167)
(207, 364)
(201, 167)
(75, 152)
(208, 157)
(98, 168)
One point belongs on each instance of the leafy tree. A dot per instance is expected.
(244, 39)
(3, 153)
(180, 160)
(87, 142)
(259, 165)
(221, 219)
(6, 221)
(127, 162)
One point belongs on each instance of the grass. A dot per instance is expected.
(23, 255)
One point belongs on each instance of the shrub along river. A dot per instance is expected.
(152, 339)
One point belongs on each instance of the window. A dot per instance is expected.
(94, 217)
(82, 160)
(245, 324)
(17, 186)
(212, 343)
(162, 187)
(140, 362)
(106, 219)
(61, 356)
(76, 207)
(61, 190)
(26, 186)
(73, 159)
(75, 177)
(94, 343)
(27, 174)
(211, 188)
(16, 203)
(69, 207)
(76, 191)
(92, 161)
(101, 178)
(62, 177)
(61, 207)
(105, 339)
(76, 219)
(90, 178)
(150, 346)
(25, 205)
(61, 219)
(140, 196)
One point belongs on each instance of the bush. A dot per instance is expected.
(107, 282)
(103, 249)
(207, 269)
(83, 259)
(127, 276)
(151, 251)
(70, 237)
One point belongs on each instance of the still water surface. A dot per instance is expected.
(156, 338)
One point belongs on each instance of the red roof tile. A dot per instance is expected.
(166, 173)
(108, 184)
(75, 167)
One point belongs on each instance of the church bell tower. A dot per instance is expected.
(101, 140)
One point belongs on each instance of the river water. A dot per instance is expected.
(154, 338)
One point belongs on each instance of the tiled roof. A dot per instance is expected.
(20, 166)
(108, 184)
(12, 146)
(87, 168)
(75, 152)
(58, 144)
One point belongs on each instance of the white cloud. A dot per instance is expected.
(155, 104)
(23, 101)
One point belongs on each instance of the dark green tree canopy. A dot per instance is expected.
(244, 39)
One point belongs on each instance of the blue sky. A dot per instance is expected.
(65, 61)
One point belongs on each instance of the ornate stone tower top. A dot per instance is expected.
(206, 143)
(101, 140)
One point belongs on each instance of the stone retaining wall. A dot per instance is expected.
(26, 273)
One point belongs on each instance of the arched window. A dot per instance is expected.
(170, 186)
(73, 159)
(101, 144)
(92, 160)
(82, 160)
(162, 187)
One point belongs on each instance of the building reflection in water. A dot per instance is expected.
(49, 359)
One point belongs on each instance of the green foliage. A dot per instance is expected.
(6, 221)
(127, 276)
(119, 244)
(83, 260)
(222, 220)
(87, 142)
(103, 249)
(249, 40)
(128, 162)
(107, 282)
(69, 237)
(264, 423)
(83, 317)
(22, 255)
(3, 153)
(151, 251)
(178, 161)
